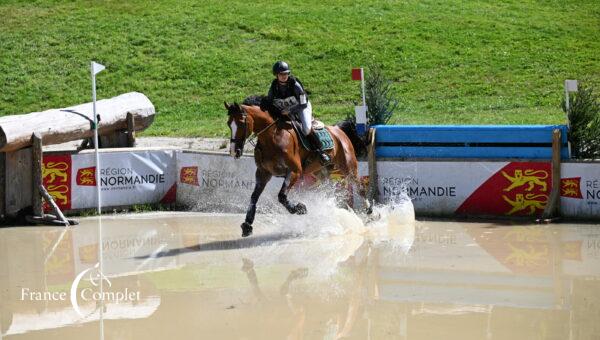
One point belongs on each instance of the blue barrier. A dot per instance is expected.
(468, 141)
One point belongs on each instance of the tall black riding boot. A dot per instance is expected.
(318, 147)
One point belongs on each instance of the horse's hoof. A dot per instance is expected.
(246, 229)
(300, 209)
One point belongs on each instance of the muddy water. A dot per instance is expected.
(189, 275)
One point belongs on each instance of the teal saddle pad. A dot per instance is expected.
(324, 137)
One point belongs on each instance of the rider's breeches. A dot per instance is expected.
(306, 119)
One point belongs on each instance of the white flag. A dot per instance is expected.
(571, 85)
(96, 68)
(361, 114)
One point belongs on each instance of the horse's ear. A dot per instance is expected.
(226, 105)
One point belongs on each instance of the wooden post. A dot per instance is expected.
(130, 130)
(373, 193)
(36, 164)
(553, 206)
(18, 181)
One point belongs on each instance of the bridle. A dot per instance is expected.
(244, 125)
(253, 136)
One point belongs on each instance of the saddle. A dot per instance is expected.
(291, 105)
(318, 128)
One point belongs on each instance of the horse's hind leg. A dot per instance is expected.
(290, 179)
(348, 167)
(262, 178)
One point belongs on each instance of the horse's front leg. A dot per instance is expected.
(262, 178)
(290, 179)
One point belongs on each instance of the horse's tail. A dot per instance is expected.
(349, 128)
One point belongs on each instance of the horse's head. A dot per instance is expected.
(240, 126)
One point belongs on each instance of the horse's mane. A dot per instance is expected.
(253, 100)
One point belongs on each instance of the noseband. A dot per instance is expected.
(239, 142)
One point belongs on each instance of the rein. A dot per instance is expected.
(252, 137)
(255, 135)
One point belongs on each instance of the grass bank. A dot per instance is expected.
(452, 62)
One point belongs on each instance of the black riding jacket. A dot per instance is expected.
(292, 88)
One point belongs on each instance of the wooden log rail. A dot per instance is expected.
(72, 123)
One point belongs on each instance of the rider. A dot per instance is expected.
(285, 86)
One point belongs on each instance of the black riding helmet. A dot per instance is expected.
(280, 67)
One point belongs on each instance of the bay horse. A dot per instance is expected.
(279, 153)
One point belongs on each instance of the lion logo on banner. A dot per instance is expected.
(530, 177)
(571, 187)
(570, 183)
(58, 192)
(87, 173)
(87, 181)
(53, 170)
(189, 175)
(518, 188)
(569, 192)
(86, 176)
(524, 202)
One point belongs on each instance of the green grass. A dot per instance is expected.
(452, 62)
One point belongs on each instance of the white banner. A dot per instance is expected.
(580, 190)
(218, 182)
(131, 177)
(437, 188)
(491, 188)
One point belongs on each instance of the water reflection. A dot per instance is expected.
(399, 279)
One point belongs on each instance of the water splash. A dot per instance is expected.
(329, 235)
(327, 214)
(395, 226)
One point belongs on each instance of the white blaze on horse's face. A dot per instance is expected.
(233, 127)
